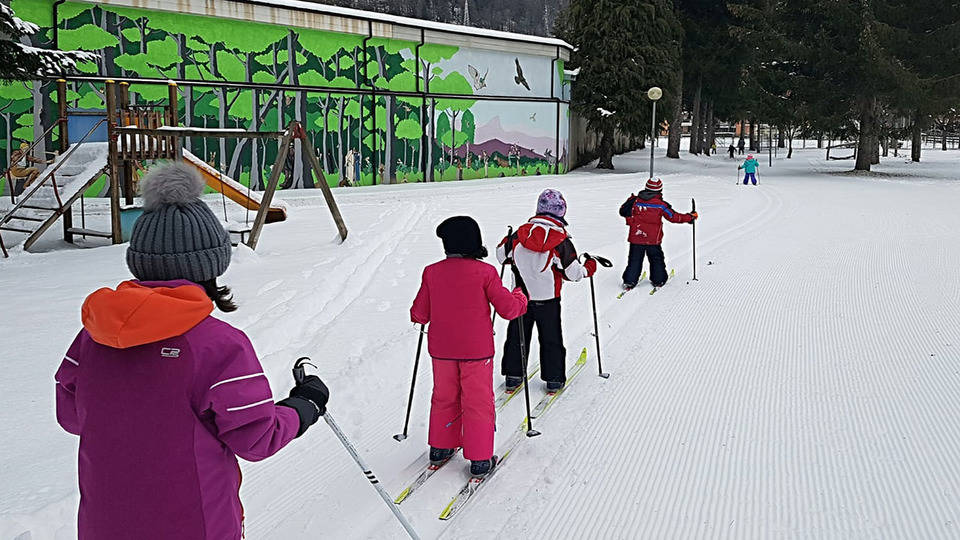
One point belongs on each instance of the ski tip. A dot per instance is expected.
(400, 498)
(446, 511)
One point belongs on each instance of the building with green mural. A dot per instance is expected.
(383, 99)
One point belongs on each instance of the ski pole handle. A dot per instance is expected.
(602, 261)
(299, 371)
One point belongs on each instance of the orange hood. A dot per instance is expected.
(136, 314)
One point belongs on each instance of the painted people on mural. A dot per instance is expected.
(356, 166)
(22, 173)
(350, 168)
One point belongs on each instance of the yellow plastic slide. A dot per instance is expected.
(233, 190)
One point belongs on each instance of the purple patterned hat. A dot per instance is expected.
(551, 202)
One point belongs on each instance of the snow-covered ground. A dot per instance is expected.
(805, 386)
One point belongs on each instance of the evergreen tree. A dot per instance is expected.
(831, 54)
(713, 71)
(622, 48)
(19, 61)
(927, 41)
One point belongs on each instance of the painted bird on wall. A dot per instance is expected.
(519, 78)
(479, 83)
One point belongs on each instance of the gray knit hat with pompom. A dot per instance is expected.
(178, 236)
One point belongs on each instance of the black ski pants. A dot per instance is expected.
(546, 315)
(658, 268)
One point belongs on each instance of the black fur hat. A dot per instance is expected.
(461, 236)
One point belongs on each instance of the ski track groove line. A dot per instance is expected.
(334, 458)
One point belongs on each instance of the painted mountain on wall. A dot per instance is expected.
(493, 130)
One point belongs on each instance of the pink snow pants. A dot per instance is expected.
(461, 409)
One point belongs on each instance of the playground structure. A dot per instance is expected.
(231, 189)
(137, 134)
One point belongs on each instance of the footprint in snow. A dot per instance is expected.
(270, 286)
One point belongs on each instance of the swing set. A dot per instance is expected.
(136, 135)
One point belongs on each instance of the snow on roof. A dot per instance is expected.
(351, 13)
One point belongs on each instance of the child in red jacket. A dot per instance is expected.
(454, 298)
(644, 213)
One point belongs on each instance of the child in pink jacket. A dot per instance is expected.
(455, 298)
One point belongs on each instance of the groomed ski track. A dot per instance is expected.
(805, 386)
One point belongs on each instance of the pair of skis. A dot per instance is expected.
(473, 485)
(653, 291)
(503, 398)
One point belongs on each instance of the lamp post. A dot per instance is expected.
(654, 94)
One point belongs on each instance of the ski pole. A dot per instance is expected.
(413, 382)
(502, 268)
(298, 376)
(593, 299)
(693, 202)
(526, 382)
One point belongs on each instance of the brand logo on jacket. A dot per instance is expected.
(170, 352)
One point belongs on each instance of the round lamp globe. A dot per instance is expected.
(655, 93)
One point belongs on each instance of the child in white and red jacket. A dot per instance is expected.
(454, 298)
(543, 257)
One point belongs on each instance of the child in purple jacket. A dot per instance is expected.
(164, 396)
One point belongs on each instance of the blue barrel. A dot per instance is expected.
(129, 216)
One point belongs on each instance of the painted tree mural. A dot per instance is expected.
(342, 89)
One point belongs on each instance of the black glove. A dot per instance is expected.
(309, 399)
(306, 410)
(312, 388)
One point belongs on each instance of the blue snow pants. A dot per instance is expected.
(750, 176)
(658, 267)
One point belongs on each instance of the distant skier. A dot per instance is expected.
(164, 396)
(740, 146)
(750, 167)
(644, 213)
(454, 298)
(543, 257)
(730, 151)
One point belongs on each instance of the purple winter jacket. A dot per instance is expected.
(164, 398)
